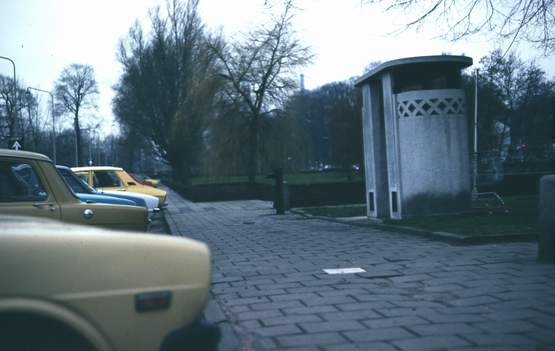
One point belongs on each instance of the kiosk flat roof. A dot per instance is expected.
(459, 62)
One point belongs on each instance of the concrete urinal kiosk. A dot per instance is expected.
(415, 137)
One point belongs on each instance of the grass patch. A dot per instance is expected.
(475, 224)
(322, 177)
(521, 219)
(223, 180)
(337, 211)
(293, 179)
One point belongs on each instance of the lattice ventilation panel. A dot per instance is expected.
(438, 106)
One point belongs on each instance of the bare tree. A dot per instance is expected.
(260, 71)
(169, 85)
(76, 90)
(32, 123)
(514, 98)
(10, 125)
(514, 20)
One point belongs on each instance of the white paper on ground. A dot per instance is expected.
(344, 270)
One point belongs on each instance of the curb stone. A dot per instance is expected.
(213, 312)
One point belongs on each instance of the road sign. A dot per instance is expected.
(17, 146)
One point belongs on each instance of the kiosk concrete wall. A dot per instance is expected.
(415, 137)
(374, 158)
(433, 151)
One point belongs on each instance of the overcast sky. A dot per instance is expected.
(44, 36)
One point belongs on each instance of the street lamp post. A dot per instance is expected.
(76, 151)
(90, 148)
(475, 158)
(14, 89)
(89, 132)
(53, 120)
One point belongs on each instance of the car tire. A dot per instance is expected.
(24, 332)
(199, 336)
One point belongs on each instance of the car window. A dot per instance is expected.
(74, 182)
(20, 182)
(83, 177)
(106, 179)
(83, 180)
(137, 177)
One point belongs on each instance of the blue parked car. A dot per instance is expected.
(87, 194)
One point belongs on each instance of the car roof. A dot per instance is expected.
(96, 168)
(23, 154)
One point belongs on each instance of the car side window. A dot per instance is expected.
(106, 179)
(83, 177)
(72, 181)
(20, 182)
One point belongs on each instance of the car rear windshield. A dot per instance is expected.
(106, 179)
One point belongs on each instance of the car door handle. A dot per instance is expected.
(88, 213)
(43, 206)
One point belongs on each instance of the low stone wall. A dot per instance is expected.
(516, 184)
(326, 194)
(224, 192)
(299, 195)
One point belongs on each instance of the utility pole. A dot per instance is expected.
(475, 158)
(14, 92)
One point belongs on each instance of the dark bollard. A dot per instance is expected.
(286, 197)
(279, 203)
(546, 243)
(280, 209)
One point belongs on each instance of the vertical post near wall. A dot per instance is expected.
(279, 203)
(546, 243)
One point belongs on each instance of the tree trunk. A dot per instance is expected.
(180, 168)
(130, 157)
(253, 150)
(78, 141)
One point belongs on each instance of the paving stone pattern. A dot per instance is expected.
(417, 294)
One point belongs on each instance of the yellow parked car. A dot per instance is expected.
(115, 178)
(153, 181)
(71, 287)
(30, 185)
(145, 180)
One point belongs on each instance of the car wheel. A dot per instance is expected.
(24, 332)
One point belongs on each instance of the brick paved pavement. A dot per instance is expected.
(417, 294)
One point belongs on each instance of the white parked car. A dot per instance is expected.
(152, 202)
